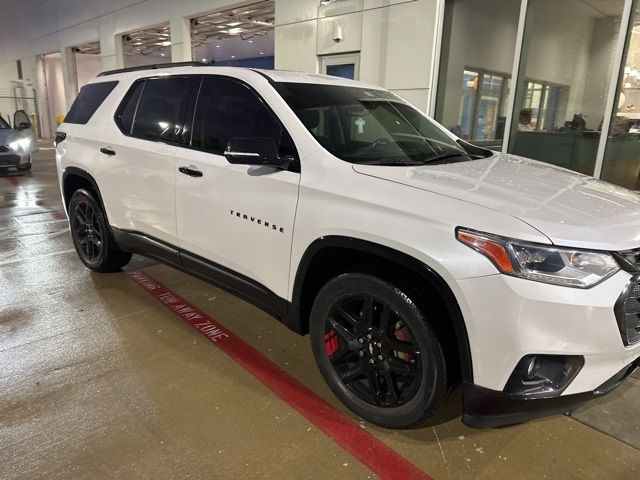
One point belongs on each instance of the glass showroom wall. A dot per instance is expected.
(566, 55)
(622, 155)
(567, 61)
(478, 46)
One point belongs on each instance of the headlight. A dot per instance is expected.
(21, 143)
(557, 265)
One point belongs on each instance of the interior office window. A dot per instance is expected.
(158, 116)
(544, 103)
(478, 47)
(483, 107)
(622, 156)
(228, 109)
(565, 69)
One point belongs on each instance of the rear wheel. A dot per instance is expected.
(91, 237)
(377, 352)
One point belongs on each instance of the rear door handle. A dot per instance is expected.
(107, 151)
(192, 172)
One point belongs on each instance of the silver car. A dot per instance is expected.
(17, 143)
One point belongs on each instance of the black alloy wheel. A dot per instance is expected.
(376, 350)
(87, 231)
(91, 236)
(373, 350)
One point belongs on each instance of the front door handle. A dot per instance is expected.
(107, 151)
(192, 172)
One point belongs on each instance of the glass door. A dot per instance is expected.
(621, 164)
(476, 61)
(566, 62)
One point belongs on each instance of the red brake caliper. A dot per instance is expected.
(331, 342)
(404, 335)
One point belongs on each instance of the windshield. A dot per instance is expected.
(3, 124)
(369, 126)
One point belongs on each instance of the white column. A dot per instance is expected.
(180, 38)
(69, 76)
(111, 51)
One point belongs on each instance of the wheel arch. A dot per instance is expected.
(329, 256)
(74, 178)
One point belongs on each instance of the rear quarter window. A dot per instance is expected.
(89, 99)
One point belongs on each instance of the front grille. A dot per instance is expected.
(628, 313)
(4, 148)
(633, 257)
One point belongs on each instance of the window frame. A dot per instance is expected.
(543, 109)
(189, 108)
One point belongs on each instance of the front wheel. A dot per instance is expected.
(91, 236)
(24, 168)
(377, 352)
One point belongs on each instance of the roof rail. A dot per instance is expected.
(154, 67)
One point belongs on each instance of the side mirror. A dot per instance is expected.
(24, 126)
(253, 151)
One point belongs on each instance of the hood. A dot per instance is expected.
(571, 209)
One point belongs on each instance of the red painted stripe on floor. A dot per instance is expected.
(13, 181)
(374, 454)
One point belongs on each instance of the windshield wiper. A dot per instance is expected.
(448, 155)
(389, 162)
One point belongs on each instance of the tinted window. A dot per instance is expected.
(128, 107)
(160, 110)
(21, 117)
(228, 109)
(89, 99)
(3, 124)
(368, 126)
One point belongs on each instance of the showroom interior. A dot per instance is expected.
(99, 379)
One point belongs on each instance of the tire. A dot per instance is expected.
(91, 235)
(358, 357)
(24, 168)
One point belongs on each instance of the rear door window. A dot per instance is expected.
(88, 100)
(160, 111)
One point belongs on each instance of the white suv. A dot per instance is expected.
(414, 260)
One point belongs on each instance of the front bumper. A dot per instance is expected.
(508, 318)
(484, 408)
(13, 159)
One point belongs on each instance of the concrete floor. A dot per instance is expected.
(99, 380)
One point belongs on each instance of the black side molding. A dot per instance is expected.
(222, 277)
